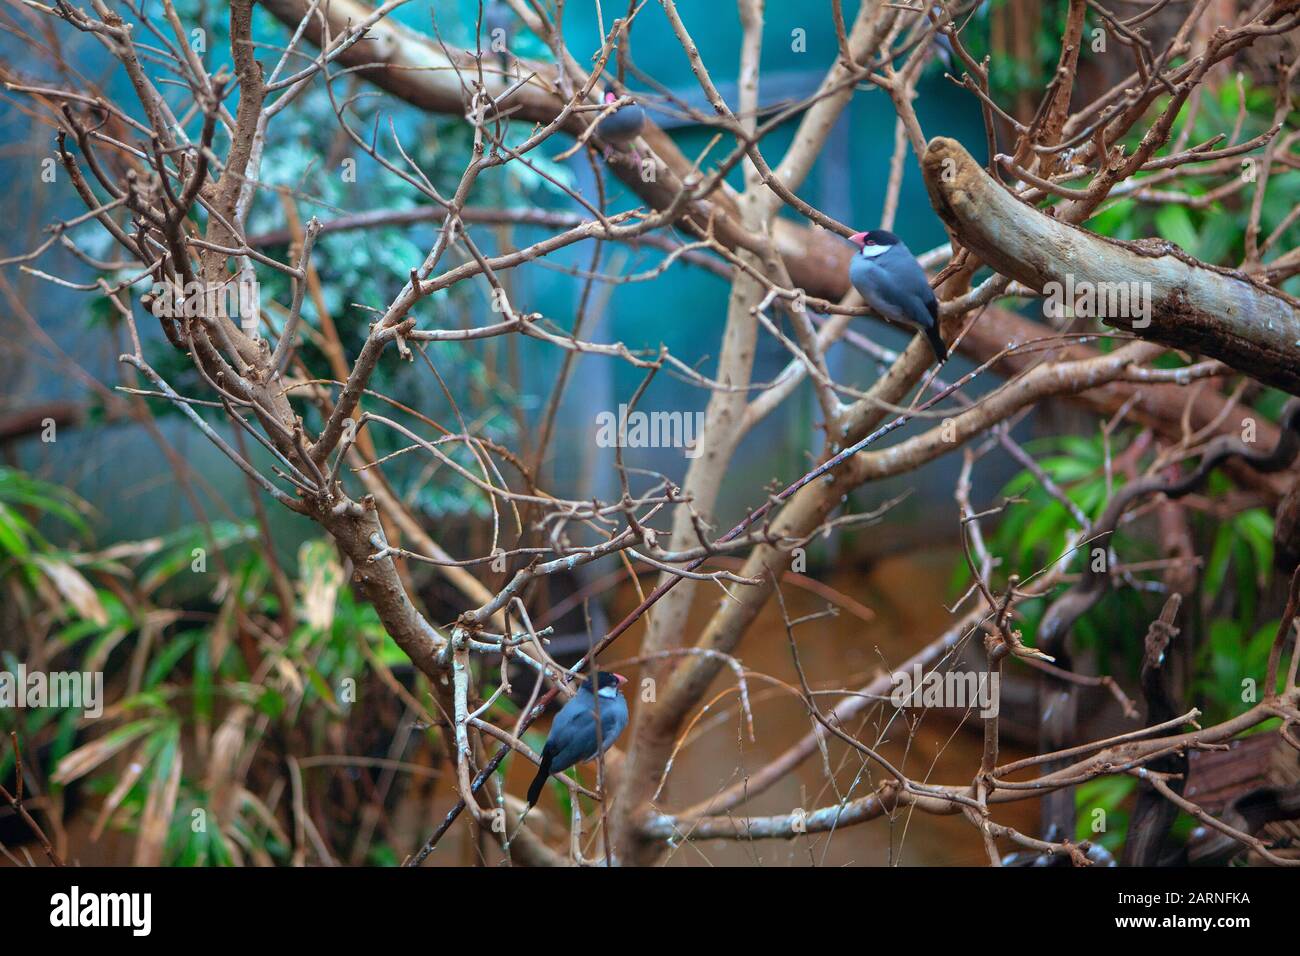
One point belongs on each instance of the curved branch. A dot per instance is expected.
(1184, 303)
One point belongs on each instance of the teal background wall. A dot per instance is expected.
(119, 469)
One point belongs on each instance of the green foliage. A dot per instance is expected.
(1212, 229)
(1036, 529)
(1231, 666)
(195, 675)
(21, 542)
(1107, 794)
(162, 634)
(1230, 660)
(1244, 545)
(1036, 532)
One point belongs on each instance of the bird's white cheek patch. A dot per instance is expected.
(608, 692)
(870, 252)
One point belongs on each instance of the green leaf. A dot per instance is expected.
(89, 756)
(1255, 526)
(13, 540)
(1175, 224)
(168, 657)
(1216, 568)
(1047, 527)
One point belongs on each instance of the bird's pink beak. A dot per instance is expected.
(621, 679)
(610, 97)
(859, 239)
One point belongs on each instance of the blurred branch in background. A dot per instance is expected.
(334, 247)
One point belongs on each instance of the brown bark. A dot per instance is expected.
(1193, 306)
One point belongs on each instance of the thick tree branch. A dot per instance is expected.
(1193, 306)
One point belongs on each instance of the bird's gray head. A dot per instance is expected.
(875, 242)
(608, 684)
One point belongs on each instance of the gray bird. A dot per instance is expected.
(892, 282)
(941, 47)
(621, 127)
(572, 739)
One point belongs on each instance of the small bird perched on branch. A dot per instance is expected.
(892, 282)
(573, 738)
(621, 127)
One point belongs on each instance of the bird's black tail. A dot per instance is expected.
(936, 342)
(539, 781)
